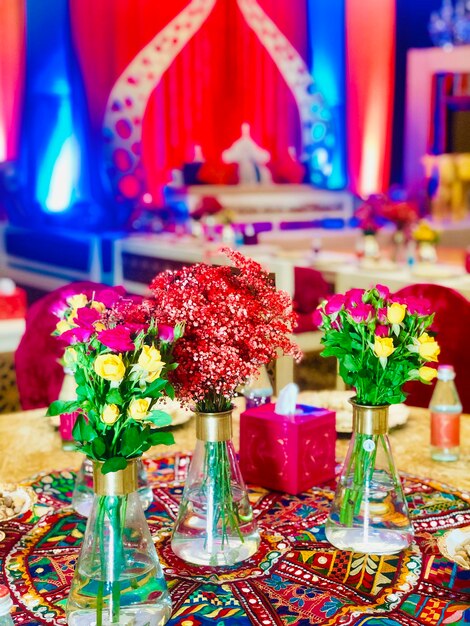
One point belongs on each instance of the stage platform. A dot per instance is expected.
(249, 204)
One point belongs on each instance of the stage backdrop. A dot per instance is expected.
(119, 92)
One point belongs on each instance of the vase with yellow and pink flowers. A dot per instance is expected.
(120, 359)
(381, 342)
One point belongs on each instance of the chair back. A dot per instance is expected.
(452, 327)
(310, 288)
(39, 374)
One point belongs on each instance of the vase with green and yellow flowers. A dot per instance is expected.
(381, 342)
(120, 360)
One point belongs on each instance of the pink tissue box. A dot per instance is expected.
(287, 453)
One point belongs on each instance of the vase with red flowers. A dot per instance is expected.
(235, 321)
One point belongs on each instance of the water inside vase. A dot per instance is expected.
(231, 537)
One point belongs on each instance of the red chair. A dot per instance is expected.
(452, 327)
(310, 288)
(39, 375)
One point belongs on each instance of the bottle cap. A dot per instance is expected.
(5, 600)
(446, 372)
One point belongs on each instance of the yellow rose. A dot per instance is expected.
(99, 326)
(70, 357)
(383, 347)
(138, 409)
(63, 327)
(71, 316)
(78, 301)
(110, 367)
(428, 348)
(150, 359)
(427, 373)
(99, 306)
(110, 414)
(155, 374)
(396, 313)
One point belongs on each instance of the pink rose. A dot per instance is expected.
(381, 331)
(361, 312)
(86, 317)
(317, 318)
(382, 315)
(118, 339)
(109, 296)
(353, 296)
(417, 306)
(76, 335)
(335, 304)
(383, 291)
(166, 333)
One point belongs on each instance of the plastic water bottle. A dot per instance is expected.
(446, 408)
(5, 606)
(258, 389)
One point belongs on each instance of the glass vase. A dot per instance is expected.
(427, 252)
(215, 524)
(369, 512)
(82, 497)
(399, 252)
(118, 578)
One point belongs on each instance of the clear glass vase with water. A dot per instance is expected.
(118, 578)
(369, 512)
(215, 524)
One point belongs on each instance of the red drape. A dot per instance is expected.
(222, 78)
(370, 52)
(12, 56)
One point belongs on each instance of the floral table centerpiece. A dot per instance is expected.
(426, 238)
(403, 215)
(120, 360)
(235, 322)
(381, 342)
(370, 221)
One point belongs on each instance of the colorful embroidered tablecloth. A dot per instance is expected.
(295, 578)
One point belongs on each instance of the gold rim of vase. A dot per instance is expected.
(120, 483)
(370, 420)
(214, 426)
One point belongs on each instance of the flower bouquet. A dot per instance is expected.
(235, 322)
(120, 360)
(426, 238)
(381, 342)
(370, 221)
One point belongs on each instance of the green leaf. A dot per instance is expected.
(114, 396)
(159, 418)
(131, 440)
(157, 385)
(114, 464)
(98, 447)
(161, 437)
(82, 431)
(170, 392)
(62, 406)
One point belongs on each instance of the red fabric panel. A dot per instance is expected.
(370, 73)
(12, 58)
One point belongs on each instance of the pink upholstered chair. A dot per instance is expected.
(452, 325)
(39, 375)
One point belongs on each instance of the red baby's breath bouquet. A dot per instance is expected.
(235, 321)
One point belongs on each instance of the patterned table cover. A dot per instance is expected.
(296, 577)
